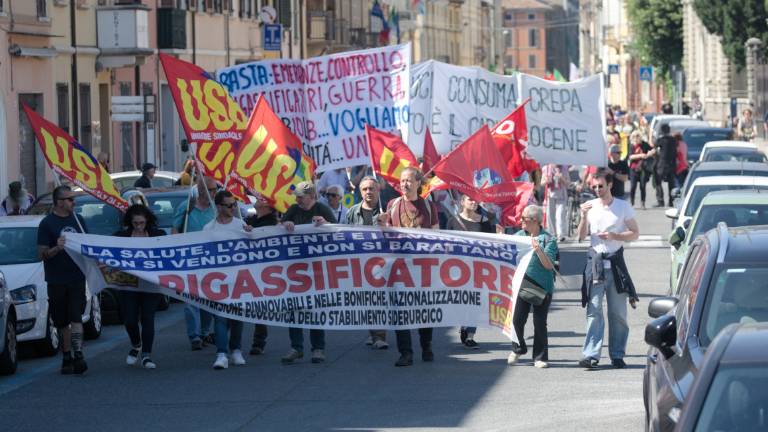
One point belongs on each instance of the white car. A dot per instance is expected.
(735, 145)
(655, 126)
(25, 278)
(704, 185)
(8, 357)
(126, 179)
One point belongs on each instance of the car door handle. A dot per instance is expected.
(653, 358)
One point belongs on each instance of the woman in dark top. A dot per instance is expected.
(139, 222)
(640, 166)
(468, 219)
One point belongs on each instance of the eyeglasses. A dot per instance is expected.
(332, 195)
(596, 187)
(232, 205)
(527, 219)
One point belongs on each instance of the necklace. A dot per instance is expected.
(410, 221)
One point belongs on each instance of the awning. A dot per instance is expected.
(23, 51)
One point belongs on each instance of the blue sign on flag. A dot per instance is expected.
(646, 73)
(272, 37)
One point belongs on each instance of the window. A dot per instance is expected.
(508, 15)
(1, 6)
(85, 116)
(533, 38)
(507, 38)
(247, 9)
(531, 17)
(531, 61)
(62, 106)
(42, 9)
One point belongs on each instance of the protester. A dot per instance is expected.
(333, 177)
(609, 222)
(18, 201)
(640, 167)
(412, 211)
(555, 178)
(147, 173)
(191, 216)
(265, 216)
(539, 276)
(186, 175)
(367, 212)
(469, 220)
(619, 168)
(746, 130)
(140, 222)
(66, 283)
(333, 197)
(306, 210)
(665, 152)
(681, 162)
(228, 333)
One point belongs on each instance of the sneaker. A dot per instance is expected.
(79, 366)
(147, 363)
(292, 356)
(380, 345)
(471, 344)
(463, 335)
(512, 359)
(257, 350)
(541, 364)
(588, 363)
(318, 356)
(618, 363)
(133, 357)
(427, 355)
(66, 365)
(406, 359)
(369, 341)
(197, 344)
(222, 362)
(237, 358)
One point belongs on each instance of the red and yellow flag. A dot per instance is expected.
(270, 161)
(389, 155)
(70, 160)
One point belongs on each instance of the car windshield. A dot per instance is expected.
(737, 400)
(163, 207)
(699, 192)
(100, 218)
(697, 139)
(127, 182)
(18, 245)
(734, 215)
(737, 294)
(740, 155)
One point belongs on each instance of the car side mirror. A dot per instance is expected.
(675, 193)
(671, 213)
(687, 223)
(661, 305)
(661, 334)
(677, 237)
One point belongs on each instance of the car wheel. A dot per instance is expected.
(8, 358)
(50, 345)
(165, 303)
(92, 329)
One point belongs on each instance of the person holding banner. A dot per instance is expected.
(333, 196)
(306, 210)
(66, 283)
(139, 222)
(367, 212)
(412, 211)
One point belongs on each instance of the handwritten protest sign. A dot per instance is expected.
(566, 121)
(328, 277)
(327, 101)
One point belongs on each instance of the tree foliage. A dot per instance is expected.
(735, 21)
(657, 32)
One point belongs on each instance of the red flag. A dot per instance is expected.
(475, 168)
(513, 210)
(511, 138)
(430, 156)
(389, 155)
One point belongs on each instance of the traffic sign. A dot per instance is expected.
(646, 73)
(613, 69)
(273, 37)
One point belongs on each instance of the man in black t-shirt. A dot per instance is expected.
(620, 170)
(147, 173)
(306, 210)
(666, 162)
(66, 283)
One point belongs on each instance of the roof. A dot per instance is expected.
(730, 180)
(20, 221)
(694, 122)
(749, 344)
(747, 245)
(730, 144)
(730, 165)
(707, 129)
(735, 197)
(525, 4)
(169, 174)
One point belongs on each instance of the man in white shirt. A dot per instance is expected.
(334, 196)
(609, 222)
(228, 333)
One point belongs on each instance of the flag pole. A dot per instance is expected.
(373, 167)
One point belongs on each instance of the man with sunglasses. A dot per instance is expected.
(333, 197)
(66, 283)
(609, 222)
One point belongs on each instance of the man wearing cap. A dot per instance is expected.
(620, 170)
(147, 172)
(17, 202)
(306, 210)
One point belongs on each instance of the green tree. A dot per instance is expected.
(657, 32)
(736, 21)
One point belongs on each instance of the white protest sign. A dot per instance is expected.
(330, 277)
(566, 121)
(327, 101)
(455, 101)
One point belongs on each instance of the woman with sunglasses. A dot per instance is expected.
(140, 222)
(541, 273)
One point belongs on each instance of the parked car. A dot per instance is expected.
(8, 354)
(703, 186)
(126, 179)
(724, 148)
(655, 126)
(679, 126)
(736, 154)
(723, 281)
(734, 208)
(709, 169)
(696, 138)
(730, 392)
(25, 278)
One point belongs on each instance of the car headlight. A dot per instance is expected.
(25, 294)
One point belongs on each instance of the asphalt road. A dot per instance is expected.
(357, 389)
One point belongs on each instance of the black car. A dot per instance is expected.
(708, 169)
(731, 391)
(724, 280)
(695, 138)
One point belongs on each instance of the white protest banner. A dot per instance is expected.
(566, 121)
(329, 277)
(454, 101)
(327, 101)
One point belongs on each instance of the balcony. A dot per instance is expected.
(123, 35)
(171, 29)
(325, 29)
